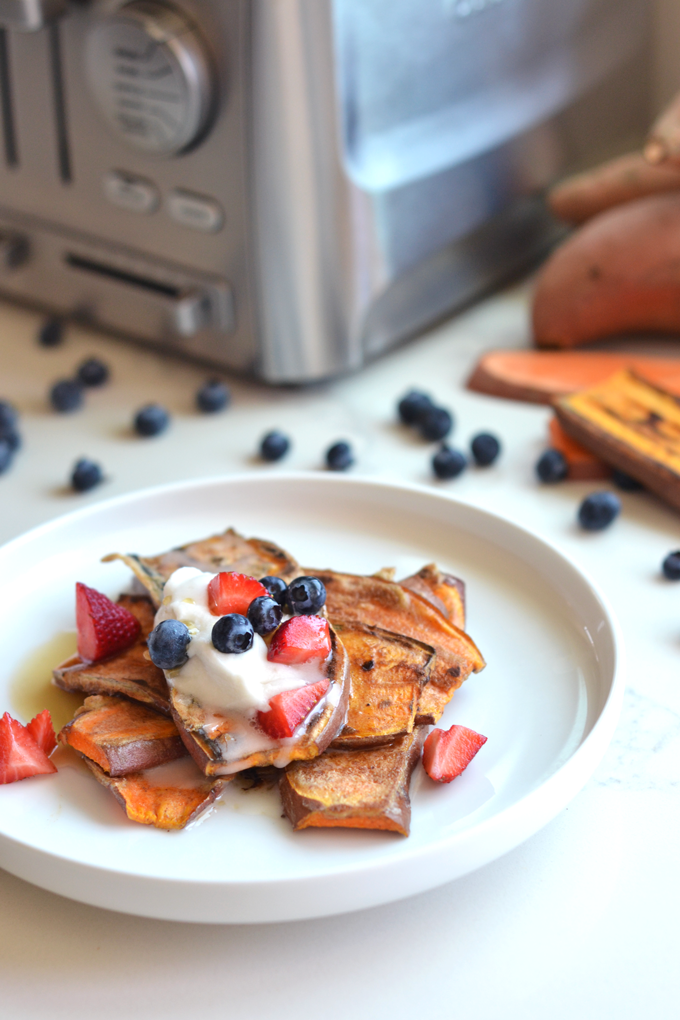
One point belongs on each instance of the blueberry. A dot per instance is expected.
(448, 463)
(485, 448)
(168, 643)
(552, 467)
(92, 372)
(306, 596)
(9, 417)
(435, 423)
(265, 614)
(339, 456)
(274, 446)
(12, 437)
(66, 395)
(86, 475)
(213, 396)
(412, 406)
(233, 633)
(6, 454)
(626, 482)
(598, 510)
(276, 587)
(671, 566)
(151, 420)
(51, 333)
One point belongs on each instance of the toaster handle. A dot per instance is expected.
(29, 15)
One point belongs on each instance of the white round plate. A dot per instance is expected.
(547, 701)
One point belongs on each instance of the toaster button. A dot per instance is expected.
(196, 211)
(130, 192)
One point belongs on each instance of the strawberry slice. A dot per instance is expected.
(20, 756)
(103, 627)
(42, 731)
(288, 709)
(300, 639)
(229, 592)
(447, 752)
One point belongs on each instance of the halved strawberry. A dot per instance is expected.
(287, 710)
(20, 756)
(300, 639)
(446, 753)
(42, 731)
(103, 627)
(229, 592)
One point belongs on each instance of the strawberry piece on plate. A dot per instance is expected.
(229, 592)
(288, 709)
(104, 628)
(20, 755)
(42, 731)
(446, 753)
(300, 639)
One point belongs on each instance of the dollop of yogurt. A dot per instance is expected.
(222, 682)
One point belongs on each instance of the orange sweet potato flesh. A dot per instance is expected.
(129, 673)
(619, 274)
(168, 797)
(538, 377)
(582, 463)
(387, 672)
(444, 591)
(122, 736)
(364, 789)
(620, 180)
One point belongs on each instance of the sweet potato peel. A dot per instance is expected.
(155, 797)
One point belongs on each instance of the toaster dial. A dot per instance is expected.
(151, 77)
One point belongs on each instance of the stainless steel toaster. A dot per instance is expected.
(290, 187)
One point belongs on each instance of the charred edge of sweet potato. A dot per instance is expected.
(322, 793)
(444, 591)
(122, 736)
(164, 807)
(207, 752)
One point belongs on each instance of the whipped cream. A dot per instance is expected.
(222, 682)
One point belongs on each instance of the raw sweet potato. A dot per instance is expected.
(540, 376)
(620, 273)
(616, 182)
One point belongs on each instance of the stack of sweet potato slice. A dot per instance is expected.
(408, 653)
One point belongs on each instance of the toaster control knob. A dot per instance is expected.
(151, 77)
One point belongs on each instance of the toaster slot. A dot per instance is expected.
(59, 101)
(9, 136)
(121, 275)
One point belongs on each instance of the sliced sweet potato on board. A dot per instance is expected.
(364, 789)
(129, 673)
(538, 377)
(122, 736)
(620, 180)
(219, 745)
(255, 557)
(379, 603)
(634, 426)
(388, 672)
(444, 591)
(168, 797)
(583, 465)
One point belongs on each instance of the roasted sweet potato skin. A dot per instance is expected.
(122, 736)
(444, 591)
(361, 789)
(619, 274)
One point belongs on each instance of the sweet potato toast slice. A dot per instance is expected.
(364, 789)
(388, 672)
(256, 557)
(380, 603)
(168, 797)
(128, 673)
(221, 745)
(122, 736)
(444, 591)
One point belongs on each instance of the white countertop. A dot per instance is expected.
(580, 921)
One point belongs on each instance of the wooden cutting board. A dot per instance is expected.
(541, 376)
